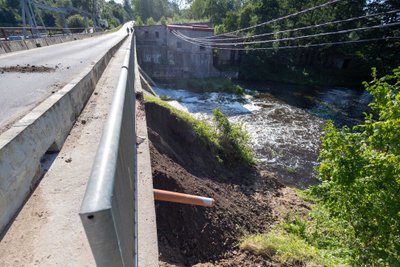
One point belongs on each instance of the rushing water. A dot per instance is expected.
(285, 122)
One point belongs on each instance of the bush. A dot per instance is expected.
(138, 21)
(150, 21)
(210, 85)
(228, 141)
(233, 138)
(76, 21)
(360, 174)
(163, 21)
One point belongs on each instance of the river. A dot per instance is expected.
(285, 122)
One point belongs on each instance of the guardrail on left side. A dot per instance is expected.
(12, 39)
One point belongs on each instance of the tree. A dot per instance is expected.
(76, 21)
(198, 9)
(163, 21)
(150, 21)
(360, 174)
(128, 9)
(154, 8)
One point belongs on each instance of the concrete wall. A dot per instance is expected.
(44, 128)
(164, 56)
(14, 46)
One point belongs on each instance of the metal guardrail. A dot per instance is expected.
(108, 211)
(17, 33)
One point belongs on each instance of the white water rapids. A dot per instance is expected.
(285, 137)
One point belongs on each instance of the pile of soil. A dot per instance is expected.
(245, 198)
(26, 69)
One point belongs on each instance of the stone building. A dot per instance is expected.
(164, 56)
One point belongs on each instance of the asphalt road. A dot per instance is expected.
(21, 92)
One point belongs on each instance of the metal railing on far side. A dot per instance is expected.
(108, 209)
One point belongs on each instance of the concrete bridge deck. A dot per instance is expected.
(47, 231)
(21, 91)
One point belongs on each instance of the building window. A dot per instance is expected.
(157, 35)
(202, 48)
(146, 34)
(179, 44)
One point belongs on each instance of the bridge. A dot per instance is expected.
(64, 108)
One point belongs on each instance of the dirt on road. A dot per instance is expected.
(26, 69)
(248, 200)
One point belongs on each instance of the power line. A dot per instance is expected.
(280, 18)
(389, 38)
(380, 26)
(296, 29)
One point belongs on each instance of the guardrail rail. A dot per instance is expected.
(108, 210)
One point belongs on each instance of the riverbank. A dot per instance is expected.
(248, 200)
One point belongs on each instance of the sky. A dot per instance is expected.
(117, 1)
(181, 3)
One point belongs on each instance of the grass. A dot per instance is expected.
(317, 240)
(283, 247)
(305, 195)
(201, 128)
(291, 169)
(227, 140)
(165, 97)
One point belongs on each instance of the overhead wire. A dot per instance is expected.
(389, 38)
(295, 29)
(280, 18)
(380, 26)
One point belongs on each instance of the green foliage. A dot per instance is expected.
(228, 141)
(210, 85)
(9, 13)
(317, 241)
(219, 29)
(150, 21)
(198, 9)
(138, 21)
(343, 64)
(285, 248)
(113, 12)
(233, 138)
(165, 97)
(360, 173)
(163, 21)
(76, 21)
(203, 130)
(155, 9)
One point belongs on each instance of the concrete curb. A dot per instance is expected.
(147, 225)
(45, 128)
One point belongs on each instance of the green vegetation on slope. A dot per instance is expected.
(360, 173)
(356, 214)
(230, 141)
(314, 241)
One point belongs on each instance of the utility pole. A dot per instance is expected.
(94, 15)
(27, 13)
(22, 5)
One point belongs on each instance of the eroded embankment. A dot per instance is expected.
(184, 163)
